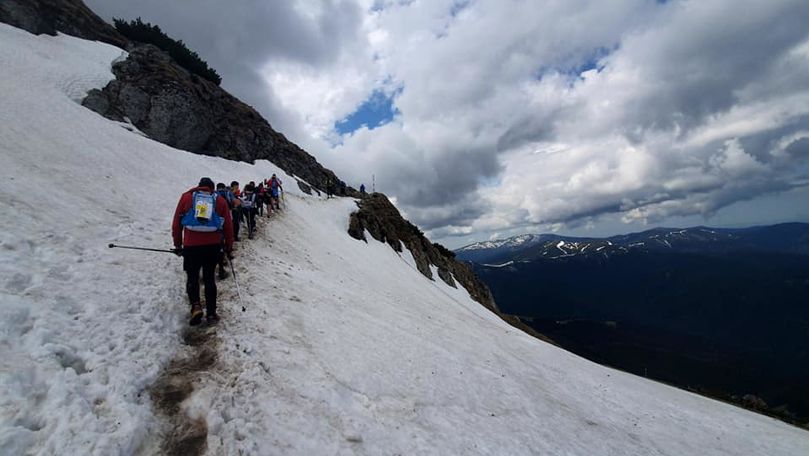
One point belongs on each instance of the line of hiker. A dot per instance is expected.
(206, 223)
(335, 187)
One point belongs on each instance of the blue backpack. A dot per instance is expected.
(228, 195)
(202, 216)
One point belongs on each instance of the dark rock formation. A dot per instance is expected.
(180, 109)
(379, 217)
(165, 101)
(305, 188)
(71, 17)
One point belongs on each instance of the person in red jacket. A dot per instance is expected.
(201, 228)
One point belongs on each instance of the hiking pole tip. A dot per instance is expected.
(111, 245)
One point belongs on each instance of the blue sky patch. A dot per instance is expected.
(374, 112)
(591, 61)
(458, 6)
(575, 67)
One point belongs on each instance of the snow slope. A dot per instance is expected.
(344, 348)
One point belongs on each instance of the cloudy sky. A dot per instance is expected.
(487, 118)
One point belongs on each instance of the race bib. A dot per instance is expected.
(203, 208)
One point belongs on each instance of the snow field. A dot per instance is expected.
(344, 348)
(366, 356)
(84, 329)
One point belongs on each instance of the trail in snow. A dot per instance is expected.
(344, 348)
(182, 435)
(84, 329)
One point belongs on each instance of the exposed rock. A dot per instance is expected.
(305, 188)
(166, 102)
(71, 17)
(180, 109)
(380, 218)
(754, 402)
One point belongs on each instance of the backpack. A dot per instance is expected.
(202, 216)
(228, 195)
(248, 200)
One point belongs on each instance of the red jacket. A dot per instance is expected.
(188, 238)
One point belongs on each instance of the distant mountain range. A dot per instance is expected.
(783, 238)
(721, 311)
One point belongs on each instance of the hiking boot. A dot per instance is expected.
(196, 314)
(222, 274)
(212, 319)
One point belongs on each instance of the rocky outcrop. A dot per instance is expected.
(187, 112)
(378, 217)
(71, 17)
(166, 102)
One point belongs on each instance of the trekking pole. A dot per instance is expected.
(141, 248)
(238, 292)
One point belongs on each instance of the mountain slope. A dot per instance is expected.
(685, 306)
(168, 103)
(791, 238)
(344, 346)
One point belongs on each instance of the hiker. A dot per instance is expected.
(261, 195)
(267, 198)
(236, 209)
(224, 192)
(362, 188)
(249, 207)
(275, 191)
(200, 221)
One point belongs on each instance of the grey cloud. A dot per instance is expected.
(239, 38)
(530, 128)
(247, 31)
(426, 184)
(460, 213)
(799, 149)
(696, 66)
(761, 144)
(685, 117)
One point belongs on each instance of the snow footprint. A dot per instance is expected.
(19, 282)
(69, 360)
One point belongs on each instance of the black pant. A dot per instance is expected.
(221, 264)
(204, 257)
(251, 219)
(236, 215)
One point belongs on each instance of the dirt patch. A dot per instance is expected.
(169, 392)
(176, 383)
(190, 438)
(196, 337)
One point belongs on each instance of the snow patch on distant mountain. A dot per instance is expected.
(513, 242)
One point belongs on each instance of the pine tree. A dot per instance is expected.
(144, 32)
